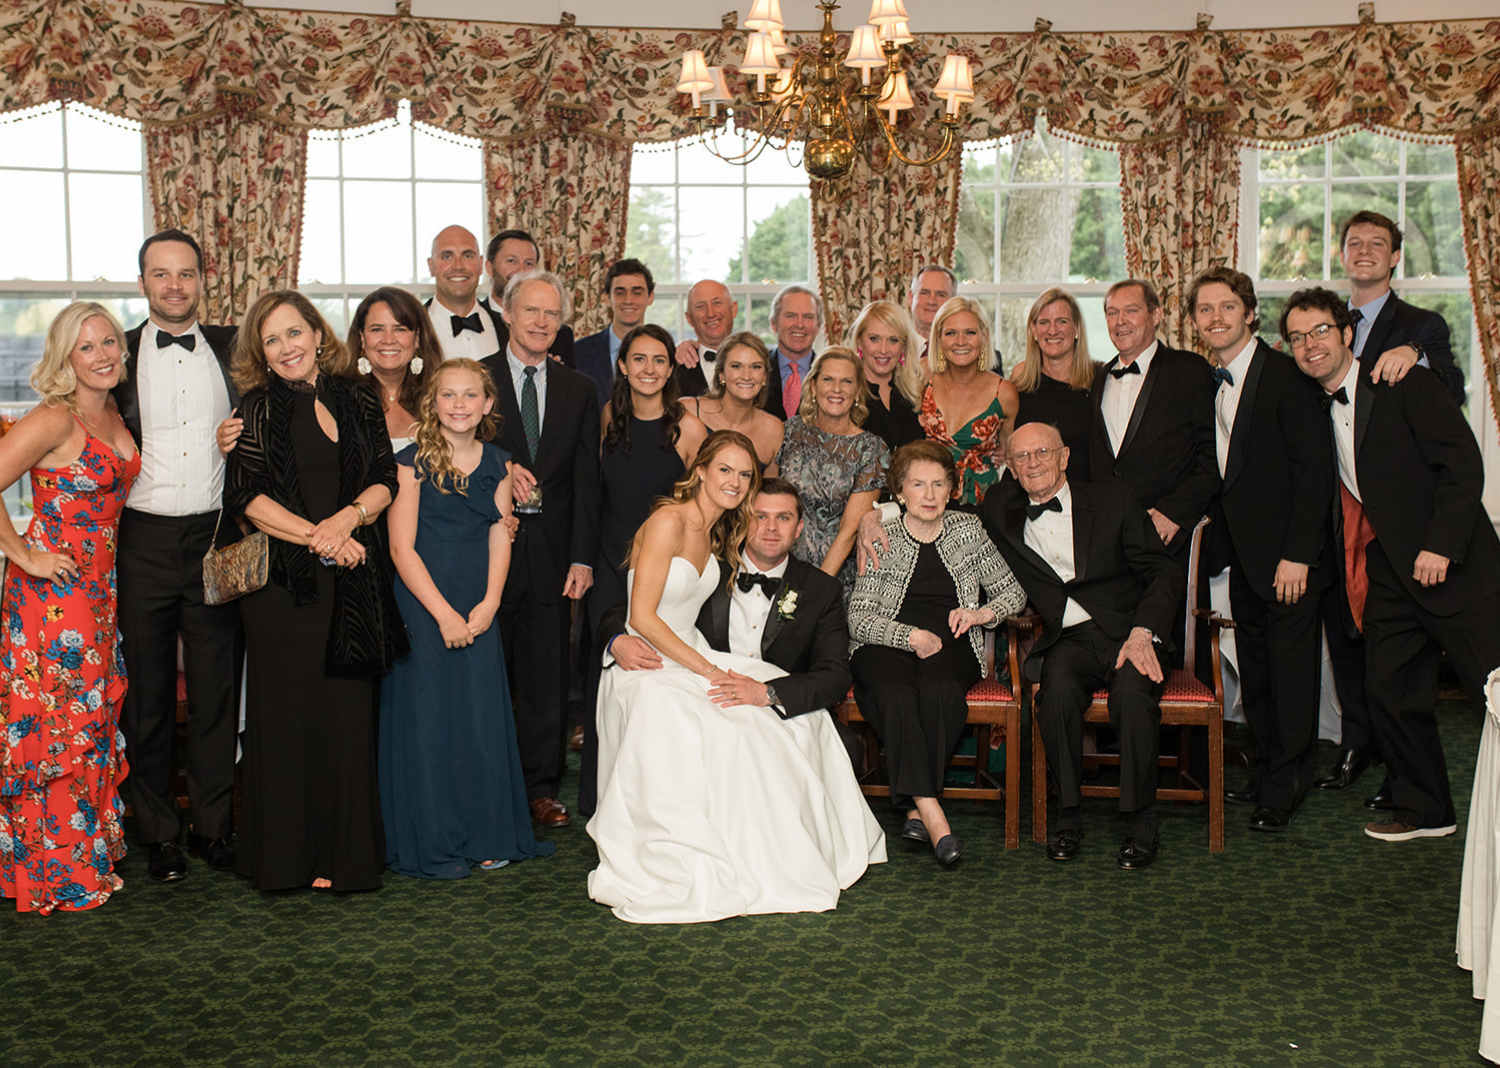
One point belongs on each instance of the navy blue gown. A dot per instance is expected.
(451, 790)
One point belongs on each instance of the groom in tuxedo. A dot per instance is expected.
(780, 610)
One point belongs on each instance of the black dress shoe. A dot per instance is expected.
(1245, 795)
(914, 830)
(165, 862)
(948, 849)
(218, 853)
(1349, 766)
(1383, 798)
(1136, 854)
(1063, 845)
(1266, 818)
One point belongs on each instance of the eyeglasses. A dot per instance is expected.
(1041, 456)
(1297, 339)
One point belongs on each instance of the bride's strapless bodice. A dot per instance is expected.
(684, 593)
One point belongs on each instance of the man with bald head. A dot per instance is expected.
(462, 325)
(1107, 590)
(711, 312)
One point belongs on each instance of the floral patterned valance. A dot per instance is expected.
(172, 61)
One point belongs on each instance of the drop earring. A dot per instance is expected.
(416, 365)
(364, 366)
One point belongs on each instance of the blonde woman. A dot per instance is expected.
(708, 810)
(1053, 380)
(61, 675)
(837, 466)
(967, 406)
(888, 346)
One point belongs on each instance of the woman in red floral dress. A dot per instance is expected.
(61, 676)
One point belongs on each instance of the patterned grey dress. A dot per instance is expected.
(827, 469)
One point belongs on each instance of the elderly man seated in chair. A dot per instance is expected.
(1107, 590)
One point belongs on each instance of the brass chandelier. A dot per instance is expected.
(830, 112)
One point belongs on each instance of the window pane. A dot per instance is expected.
(322, 155)
(35, 244)
(101, 144)
(24, 319)
(775, 167)
(320, 261)
(1359, 196)
(378, 152)
(1098, 237)
(439, 155)
(695, 163)
(758, 312)
(974, 237)
(652, 165)
(1036, 230)
(335, 311)
(442, 204)
(1366, 153)
(1095, 328)
(108, 225)
(1038, 158)
(652, 230)
(1433, 231)
(1098, 165)
(780, 236)
(1291, 231)
(1302, 163)
(377, 233)
(712, 222)
(1430, 159)
(1010, 338)
(666, 312)
(35, 141)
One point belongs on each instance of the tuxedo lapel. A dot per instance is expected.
(552, 420)
(1096, 402)
(718, 614)
(1380, 329)
(510, 410)
(1083, 535)
(1142, 399)
(1365, 398)
(790, 580)
(1239, 440)
(1014, 530)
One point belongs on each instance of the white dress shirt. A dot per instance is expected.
(1343, 429)
(1227, 401)
(1050, 536)
(183, 400)
(467, 344)
(1120, 394)
(518, 380)
(748, 612)
(1367, 314)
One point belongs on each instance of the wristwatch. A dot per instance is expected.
(771, 698)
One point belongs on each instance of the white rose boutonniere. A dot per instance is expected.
(786, 606)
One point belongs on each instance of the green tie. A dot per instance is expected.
(531, 420)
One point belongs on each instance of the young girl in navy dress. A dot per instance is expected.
(451, 791)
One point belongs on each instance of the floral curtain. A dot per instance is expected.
(571, 192)
(1180, 200)
(236, 186)
(1479, 191)
(873, 227)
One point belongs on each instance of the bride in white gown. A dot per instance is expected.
(707, 811)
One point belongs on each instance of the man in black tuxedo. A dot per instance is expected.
(1107, 590)
(1421, 562)
(462, 326)
(175, 393)
(796, 318)
(782, 610)
(1387, 327)
(630, 289)
(711, 312)
(510, 252)
(1270, 529)
(552, 432)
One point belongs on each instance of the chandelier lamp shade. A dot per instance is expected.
(814, 101)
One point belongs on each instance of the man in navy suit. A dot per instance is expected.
(511, 252)
(630, 290)
(1419, 557)
(796, 317)
(551, 430)
(1270, 529)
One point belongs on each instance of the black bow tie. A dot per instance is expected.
(187, 341)
(466, 322)
(1341, 395)
(1052, 504)
(748, 580)
(1131, 368)
(1221, 376)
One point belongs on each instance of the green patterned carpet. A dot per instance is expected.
(1318, 947)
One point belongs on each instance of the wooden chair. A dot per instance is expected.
(993, 707)
(1185, 702)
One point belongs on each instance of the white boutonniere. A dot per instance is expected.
(786, 605)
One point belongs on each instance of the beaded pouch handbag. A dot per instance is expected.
(237, 570)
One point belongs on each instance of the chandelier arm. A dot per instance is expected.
(949, 130)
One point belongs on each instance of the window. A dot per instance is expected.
(693, 216)
(1299, 198)
(81, 175)
(376, 197)
(1038, 212)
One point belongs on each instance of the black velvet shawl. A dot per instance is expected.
(366, 634)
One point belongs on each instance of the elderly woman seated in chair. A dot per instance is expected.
(915, 628)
